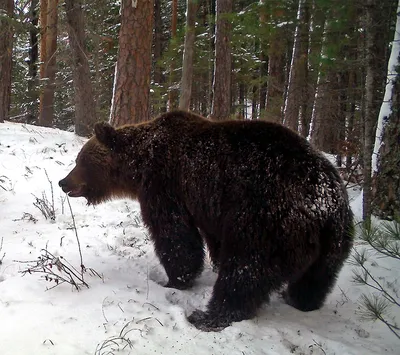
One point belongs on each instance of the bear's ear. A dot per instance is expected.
(105, 134)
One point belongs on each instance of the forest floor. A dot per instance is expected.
(126, 310)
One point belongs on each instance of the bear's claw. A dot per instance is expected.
(179, 285)
(207, 322)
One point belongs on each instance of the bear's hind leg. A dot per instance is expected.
(239, 291)
(309, 291)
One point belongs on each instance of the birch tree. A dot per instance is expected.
(386, 154)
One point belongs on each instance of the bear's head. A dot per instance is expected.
(97, 173)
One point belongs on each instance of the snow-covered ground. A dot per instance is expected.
(129, 301)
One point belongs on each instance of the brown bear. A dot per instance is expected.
(271, 209)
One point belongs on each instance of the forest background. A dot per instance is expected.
(327, 69)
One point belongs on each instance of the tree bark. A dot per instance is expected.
(276, 83)
(351, 144)
(85, 106)
(46, 115)
(386, 181)
(43, 36)
(211, 51)
(263, 59)
(386, 155)
(32, 64)
(172, 92)
(159, 78)
(221, 106)
(188, 52)
(254, 102)
(372, 84)
(132, 79)
(297, 88)
(317, 39)
(6, 46)
(326, 107)
(327, 118)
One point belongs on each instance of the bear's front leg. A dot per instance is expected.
(177, 242)
(181, 252)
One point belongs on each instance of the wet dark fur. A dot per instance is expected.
(270, 208)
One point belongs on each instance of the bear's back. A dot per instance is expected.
(242, 147)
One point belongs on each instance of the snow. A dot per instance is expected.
(129, 300)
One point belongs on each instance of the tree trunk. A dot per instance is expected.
(46, 115)
(386, 155)
(159, 78)
(327, 117)
(211, 51)
(132, 80)
(276, 83)
(350, 144)
(254, 102)
(316, 41)
(350, 147)
(187, 68)
(221, 106)
(340, 125)
(6, 47)
(297, 86)
(85, 107)
(324, 133)
(263, 60)
(43, 36)
(32, 64)
(172, 92)
(242, 107)
(372, 84)
(386, 181)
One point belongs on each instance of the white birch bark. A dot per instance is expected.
(386, 107)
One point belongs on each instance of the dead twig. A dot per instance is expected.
(1, 248)
(26, 217)
(55, 269)
(83, 269)
(116, 343)
(5, 183)
(318, 345)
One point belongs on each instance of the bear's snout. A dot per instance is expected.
(62, 183)
(66, 184)
(72, 187)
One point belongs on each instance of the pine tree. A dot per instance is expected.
(6, 45)
(85, 108)
(188, 52)
(221, 106)
(132, 75)
(49, 63)
(382, 241)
